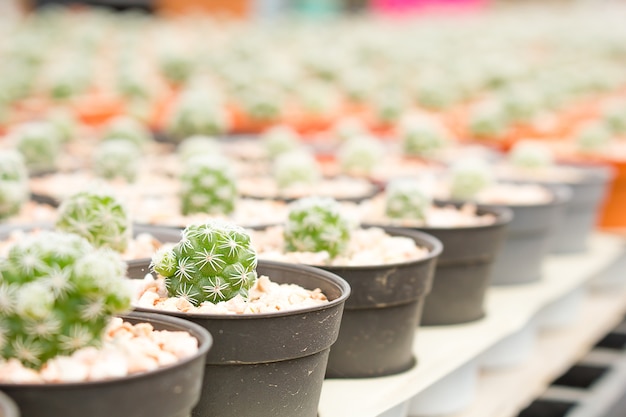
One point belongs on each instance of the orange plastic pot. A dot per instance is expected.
(97, 108)
(613, 214)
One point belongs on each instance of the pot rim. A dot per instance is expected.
(204, 338)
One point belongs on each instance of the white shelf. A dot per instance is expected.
(442, 350)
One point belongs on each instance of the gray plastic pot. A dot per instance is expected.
(463, 270)
(171, 391)
(382, 314)
(528, 239)
(137, 268)
(8, 407)
(271, 364)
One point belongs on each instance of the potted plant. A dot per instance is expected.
(390, 273)
(61, 343)
(272, 338)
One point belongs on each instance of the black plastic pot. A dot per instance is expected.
(382, 314)
(8, 407)
(137, 268)
(528, 239)
(271, 364)
(171, 391)
(463, 269)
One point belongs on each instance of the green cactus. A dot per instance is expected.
(406, 199)
(614, 115)
(129, 129)
(488, 120)
(349, 127)
(360, 155)
(14, 189)
(317, 224)
(208, 186)
(593, 137)
(530, 155)
(295, 168)
(421, 136)
(98, 217)
(176, 67)
(116, 159)
(280, 139)
(468, 178)
(213, 262)
(40, 145)
(64, 122)
(197, 113)
(57, 294)
(198, 145)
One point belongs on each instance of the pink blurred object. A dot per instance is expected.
(402, 7)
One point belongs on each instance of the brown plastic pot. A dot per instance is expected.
(271, 364)
(8, 407)
(170, 391)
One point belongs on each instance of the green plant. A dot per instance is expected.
(406, 199)
(317, 224)
(360, 154)
(488, 120)
(530, 155)
(593, 137)
(421, 136)
(198, 145)
(14, 189)
(98, 217)
(175, 66)
(40, 145)
(197, 113)
(127, 128)
(208, 186)
(213, 262)
(116, 158)
(349, 127)
(64, 122)
(614, 114)
(468, 178)
(279, 140)
(57, 294)
(295, 168)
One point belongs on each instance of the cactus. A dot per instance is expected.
(57, 294)
(129, 129)
(208, 186)
(197, 113)
(421, 136)
(13, 183)
(406, 199)
(488, 120)
(530, 155)
(176, 67)
(468, 178)
(40, 145)
(614, 115)
(296, 168)
(317, 224)
(593, 137)
(361, 154)
(98, 217)
(280, 139)
(116, 159)
(197, 145)
(64, 122)
(213, 262)
(349, 127)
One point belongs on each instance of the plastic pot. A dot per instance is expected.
(464, 268)
(271, 364)
(171, 391)
(8, 407)
(382, 314)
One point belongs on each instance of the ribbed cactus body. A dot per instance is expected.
(98, 217)
(57, 294)
(213, 262)
(14, 189)
(317, 224)
(116, 159)
(406, 199)
(208, 185)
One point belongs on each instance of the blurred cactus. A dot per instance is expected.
(296, 168)
(421, 136)
(129, 129)
(406, 199)
(197, 113)
(468, 178)
(208, 186)
(360, 155)
(14, 191)
(40, 145)
(531, 155)
(279, 140)
(213, 262)
(198, 145)
(117, 158)
(593, 137)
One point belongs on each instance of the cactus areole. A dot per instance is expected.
(213, 262)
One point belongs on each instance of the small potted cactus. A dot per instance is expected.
(266, 332)
(421, 136)
(127, 128)
(40, 145)
(197, 113)
(60, 341)
(359, 155)
(382, 315)
(117, 158)
(208, 185)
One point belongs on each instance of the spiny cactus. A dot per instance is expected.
(175, 66)
(129, 129)
(360, 155)
(593, 137)
(64, 122)
(421, 136)
(280, 139)
(198, 145)
(57, 294)
(98, 217)
(40, 145)
(208, 186)
(296, 168)
(197, 113)
(317, 224)
(469, 177)
(213, 262)
(13, 183)
(406, 199)
(530, 155)
(117, 158)
(614, 115)
(349, 127)
(488, 120)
